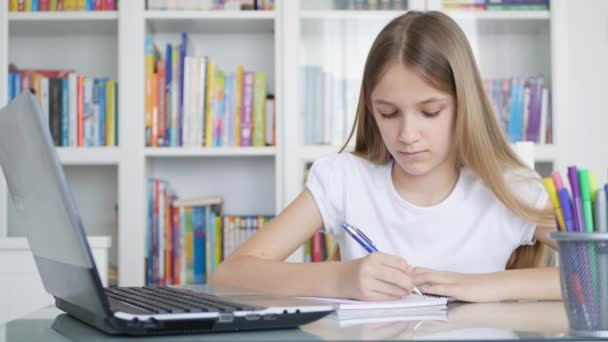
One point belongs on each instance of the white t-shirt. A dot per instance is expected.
(471, 231)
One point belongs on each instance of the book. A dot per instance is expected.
(411, 305)
(199, 202)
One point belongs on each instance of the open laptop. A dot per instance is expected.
(45, 205)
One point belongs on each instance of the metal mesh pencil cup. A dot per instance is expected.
(583, 268)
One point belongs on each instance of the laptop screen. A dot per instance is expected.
(45, 206)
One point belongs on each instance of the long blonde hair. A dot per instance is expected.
(437, 49)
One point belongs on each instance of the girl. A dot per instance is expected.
(432, 181)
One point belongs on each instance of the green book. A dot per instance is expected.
(259, 108)
(189, 237)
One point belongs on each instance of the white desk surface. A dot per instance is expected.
(466, 321)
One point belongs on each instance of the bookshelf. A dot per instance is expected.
(252, 180)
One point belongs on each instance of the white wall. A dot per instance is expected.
(587, 127)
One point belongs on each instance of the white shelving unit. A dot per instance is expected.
(251, 180)
(86, 42)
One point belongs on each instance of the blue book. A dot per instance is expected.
(101, 121)
(90, 5)
(198, 226)
(212, 238)
(168, 75)
(183, 50)
(35, 5)
(17, 85)
(514, 117)
(150, 188)
(11, 88)
(65, 113)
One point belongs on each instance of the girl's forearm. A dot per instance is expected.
(285, 278)
(523, 284)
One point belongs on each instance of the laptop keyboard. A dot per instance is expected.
(171, 300)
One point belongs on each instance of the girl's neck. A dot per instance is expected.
(426, 190)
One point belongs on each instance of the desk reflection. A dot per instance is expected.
(465, 321)
(468, 321)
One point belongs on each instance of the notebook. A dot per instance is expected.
(411, 306)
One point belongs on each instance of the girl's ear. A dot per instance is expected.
(542, 234)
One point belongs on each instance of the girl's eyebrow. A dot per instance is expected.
(432, 100)
(381, 101)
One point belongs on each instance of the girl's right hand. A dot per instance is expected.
(376, 277)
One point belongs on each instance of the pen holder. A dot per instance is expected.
(583, 268)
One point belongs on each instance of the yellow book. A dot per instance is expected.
(239, 105)
(36, 85)
(13, 6)
(148, 110)
(111, 113)
(218, 240)
(149, 64)
(208, 106)
(28, 5)
(81, 5)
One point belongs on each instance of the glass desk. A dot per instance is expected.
(465, 321)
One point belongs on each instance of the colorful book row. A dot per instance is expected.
(523, 107)
(496, 5)
(81, 111)
(209, 5)
(187, 239)
(321, 247)
(328, 106)
(191, 102)
(61, 5)
(370, 4)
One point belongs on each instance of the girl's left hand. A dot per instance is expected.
(460, 286)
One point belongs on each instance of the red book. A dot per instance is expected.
(59, 5)
(44, 5)
(176, 250)
(155, 242)
(168, 238)
(317, 247)
(110, 5)
(97, 5)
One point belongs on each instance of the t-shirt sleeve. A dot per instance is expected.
(326, 184)
(530, 189)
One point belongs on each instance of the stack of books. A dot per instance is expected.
(82, 111)
(61, 5)
(187, 239)
(496, 5)
(209, 5)
(191, 102)
(327, 107)
(523, 107)
(370, 4)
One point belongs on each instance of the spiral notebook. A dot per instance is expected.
(412, 305)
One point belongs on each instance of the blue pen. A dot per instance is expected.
(366, 243)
